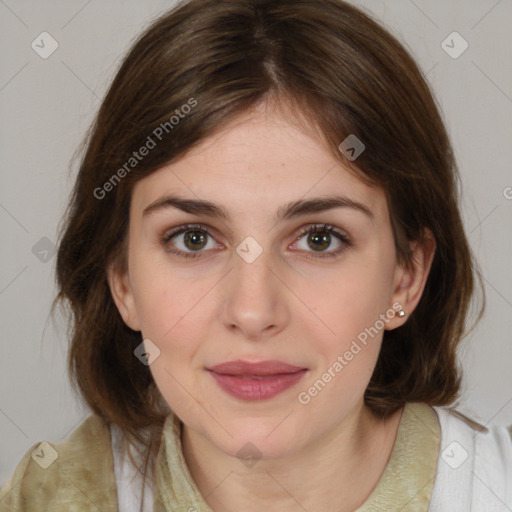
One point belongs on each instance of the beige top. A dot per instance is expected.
(83, 475)
(406, 483)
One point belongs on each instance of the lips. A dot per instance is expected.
(262, 369)
(256, 381)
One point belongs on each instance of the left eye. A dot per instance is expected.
(320, 237)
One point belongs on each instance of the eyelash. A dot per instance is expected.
(311, 229)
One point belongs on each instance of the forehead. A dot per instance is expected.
(263, 159)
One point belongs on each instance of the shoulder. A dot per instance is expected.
(474, 470)
(74, 474)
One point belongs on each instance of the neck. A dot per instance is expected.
(337, 472)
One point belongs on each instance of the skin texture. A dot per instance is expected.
(289, 304)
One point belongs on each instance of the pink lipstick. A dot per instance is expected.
(256, 381)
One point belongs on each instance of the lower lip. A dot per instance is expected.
(254, 389)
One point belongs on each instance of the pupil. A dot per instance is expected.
(321, 241)
(194, 237)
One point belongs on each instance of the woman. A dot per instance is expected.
(269, 279)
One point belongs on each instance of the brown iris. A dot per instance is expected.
(320, 241)
(197, 240)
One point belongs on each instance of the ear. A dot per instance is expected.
(122, 293)
(410, 280)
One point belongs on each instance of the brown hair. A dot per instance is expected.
(344, 74)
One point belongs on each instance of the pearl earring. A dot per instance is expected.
(401, 313)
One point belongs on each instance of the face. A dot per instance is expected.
(281, 276)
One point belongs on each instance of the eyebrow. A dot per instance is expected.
(291, 210)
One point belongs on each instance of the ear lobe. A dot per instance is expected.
(122, 294)
(413, 277)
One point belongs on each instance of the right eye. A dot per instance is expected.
(191, 239)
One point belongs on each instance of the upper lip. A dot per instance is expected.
(257, 369)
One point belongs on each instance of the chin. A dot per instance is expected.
(258, 438)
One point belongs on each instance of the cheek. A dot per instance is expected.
(174, 317)
(172, 311)
(345, 358)
(175, 321)
(346, 300)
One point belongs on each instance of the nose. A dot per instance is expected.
(254, 304)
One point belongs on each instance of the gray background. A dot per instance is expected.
(48, 104)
